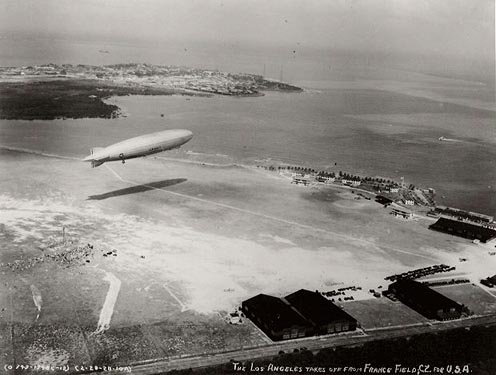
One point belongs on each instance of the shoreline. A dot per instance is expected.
(66, 91)
(421, 211)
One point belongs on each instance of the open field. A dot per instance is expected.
(191, 241)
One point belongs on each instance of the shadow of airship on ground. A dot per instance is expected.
(137, 189)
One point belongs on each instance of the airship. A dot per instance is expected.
(136, 147)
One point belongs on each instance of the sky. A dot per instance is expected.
(444, 27)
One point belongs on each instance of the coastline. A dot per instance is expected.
(51, 91)
(206, 160)
(418, 211)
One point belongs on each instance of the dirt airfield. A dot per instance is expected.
(174, 245)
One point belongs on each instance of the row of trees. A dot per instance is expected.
(369, 179)
(341, 174)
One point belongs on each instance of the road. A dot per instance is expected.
(311, 343)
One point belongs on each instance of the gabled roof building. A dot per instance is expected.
(324, 316)
(276, 318)
(426, 301)
(302, 313)
(463, 229)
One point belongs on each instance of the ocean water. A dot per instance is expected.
(371, 120)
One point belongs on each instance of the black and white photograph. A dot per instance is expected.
(247, 187)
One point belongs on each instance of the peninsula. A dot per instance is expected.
(55, 91)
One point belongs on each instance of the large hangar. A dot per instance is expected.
(275, 317)
(324, 316)
(302, 313)
(426, 301)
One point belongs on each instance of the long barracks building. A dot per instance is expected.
(463, 229)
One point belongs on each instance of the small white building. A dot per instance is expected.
(408, 202)
(329, 180)
(325, 179)
(345, 181)
(234, 318)
(301, 181)
(299, 175)
(401, 213)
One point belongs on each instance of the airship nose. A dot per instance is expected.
(188, 134)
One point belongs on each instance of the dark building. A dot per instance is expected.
(383, 200)
(489, 282)
(276, 317)
(302, 313)
(464, 215)
(324, 316)
(462, 229)
(426, 301)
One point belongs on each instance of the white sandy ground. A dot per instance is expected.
(37, 299)
(173, 295)
(479, 263)
(277, 239)
(209, 272)
(204, 264)
(32, 218)
(108, 305)
(364, 242)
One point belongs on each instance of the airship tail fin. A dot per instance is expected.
(96, 163)
(95, 149)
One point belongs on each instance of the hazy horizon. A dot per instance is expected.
(461, 28)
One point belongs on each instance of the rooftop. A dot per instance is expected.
(275, 312)
(462, 229)
(424, 295)
(317, 308)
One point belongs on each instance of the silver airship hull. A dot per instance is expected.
(139, 146)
